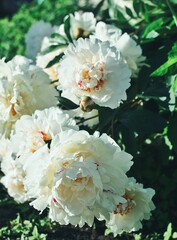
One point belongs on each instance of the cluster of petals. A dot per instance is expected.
(29, 135)
(78, 176)
(44, 157)
(82, 176)
(23, 89)
(13, 178)
(131, 51)
(127, 217)
(94, 69)
(82, 24)
(38, 38)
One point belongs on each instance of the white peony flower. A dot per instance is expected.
(82, 176)
(107, 32)
(33, 132)
(58, 214)
(138, 206)
(5, 149)
(35, 36)
(131, 51)
(82, 24)
(13, 178)
(23, 89)
(95, 69)
(30, 134)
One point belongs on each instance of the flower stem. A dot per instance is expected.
(172, 11)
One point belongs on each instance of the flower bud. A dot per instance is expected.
(86, 104)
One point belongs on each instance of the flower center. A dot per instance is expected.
(44, 136)
(125, 208)
(80, 32)
(91, 77)
(13, 111)
(36, 142)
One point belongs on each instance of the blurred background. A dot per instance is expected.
(9, 7)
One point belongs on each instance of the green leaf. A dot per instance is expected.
(168, 233)
(105, 116)
(173, 51)
(129, 12)
(129, 140)
(55, 60)
(66, 103)
(52, 48)
(170, 66)
(116, 13)
(150, 3)
(172, 129)
(152, 27)
(174, 236)
(98, 7)
(59, 38)
(143, 121)
(107, 231)
(136, 7)
(35, 232)
(137, 236)
(67, 28)
(152, 34)
(173, 93)
(173, 11)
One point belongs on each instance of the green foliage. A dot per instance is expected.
(169, 233)
(21, 230)
(67, 28)
(170, 66)
(145, 125)
(143, 121)
(12, 31)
